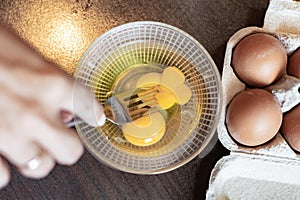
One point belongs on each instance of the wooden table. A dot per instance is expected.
(49, 26)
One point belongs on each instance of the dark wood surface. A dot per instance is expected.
(211, 22)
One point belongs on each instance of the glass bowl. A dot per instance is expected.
(115, 61)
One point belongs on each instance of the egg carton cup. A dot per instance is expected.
(247, 177)
(271, 170)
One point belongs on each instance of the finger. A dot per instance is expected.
(66, 116)
(38, 167)
(60, 142)
(17, 149)
(63, 93)
(84, 104)
(15, 50)
(4, 173)
(28, 157)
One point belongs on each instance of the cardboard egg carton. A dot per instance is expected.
(232, 85)
(271, 170)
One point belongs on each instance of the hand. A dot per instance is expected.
(36, 97)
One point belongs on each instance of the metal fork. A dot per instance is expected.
(127, 106)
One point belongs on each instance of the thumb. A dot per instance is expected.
(84, 105)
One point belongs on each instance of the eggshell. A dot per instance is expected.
(291, 128)
(259, 59)
(293, 68)
(253, 117)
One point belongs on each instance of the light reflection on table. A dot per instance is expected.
(60, 30)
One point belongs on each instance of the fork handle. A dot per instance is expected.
(73, 122)
(107, 111)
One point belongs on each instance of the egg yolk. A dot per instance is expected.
(172, 77)
(169, 89)
(143, 121)
(162, 96)
(148, 79)
(145, 130)
(145, 141)
(165, 98)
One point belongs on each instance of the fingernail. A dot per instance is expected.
(99, 113)
(101, 120)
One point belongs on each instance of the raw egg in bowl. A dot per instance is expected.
(142, 54)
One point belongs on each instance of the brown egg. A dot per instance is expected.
(253, 117)
(293, 68)
(259, 59)
(291, 128)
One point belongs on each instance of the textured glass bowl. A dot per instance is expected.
(115, 61)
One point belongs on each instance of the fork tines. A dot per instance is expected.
(140, 103)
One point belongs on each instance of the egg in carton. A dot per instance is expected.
(285, 91)
(270, 170)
